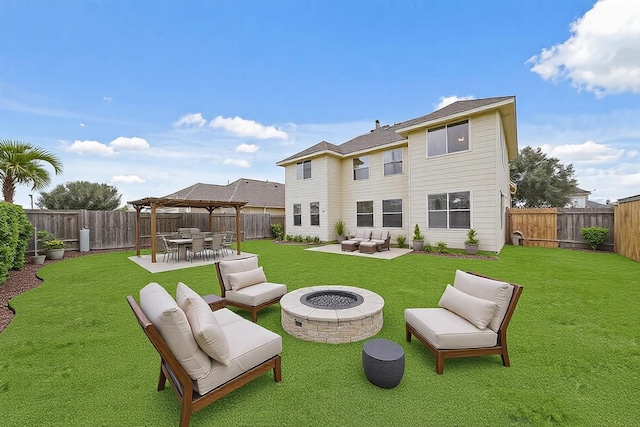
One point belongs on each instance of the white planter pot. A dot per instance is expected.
(55, 253)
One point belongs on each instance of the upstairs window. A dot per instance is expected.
(449, 210)
(361, 168)
(303, 170)
(392, 213)
(315, 213)
(364, 214)
(448, 139)
(393, 162)
(297, 214)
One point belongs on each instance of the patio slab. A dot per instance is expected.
(336, 249)
(144, 261)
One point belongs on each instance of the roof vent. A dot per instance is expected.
(377, 124)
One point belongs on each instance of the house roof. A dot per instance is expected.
(253, 193)
(629, 199)
(398, 132)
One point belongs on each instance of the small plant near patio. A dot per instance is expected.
(428, 247)
(441, 247)
(402, 241)
(471, 244)
(594, 236)
(340, 227)
(48, 241)
(418, 239)
(278, 231)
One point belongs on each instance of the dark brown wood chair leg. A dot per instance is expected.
(408, 334)
(440, 363)
(185, 416)
(254, 316)
(162, 379)
(505, 356)
(277, 370)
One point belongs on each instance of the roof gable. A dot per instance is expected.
(254, 192)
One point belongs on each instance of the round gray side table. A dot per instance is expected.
(383, 362)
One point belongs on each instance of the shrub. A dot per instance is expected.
(15, 233)
(340, 227)
(441, 247)
(278, 231)
(594, 235)
(472, 238)
(428, 247)
(416, 233)
(402, 241)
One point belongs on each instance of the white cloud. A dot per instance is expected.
(247, 128)
(447, 100)
(588, 153)
(603, 53)
(237, 162)
(247, 148)
(133, 143)
(107, 98)
(128, 179)
(91, 147)
(190, 120)
(82, 125)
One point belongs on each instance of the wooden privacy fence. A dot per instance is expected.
(117, 229)
(559, 227)
(627, 228)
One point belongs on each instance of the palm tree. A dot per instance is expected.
(21, 163)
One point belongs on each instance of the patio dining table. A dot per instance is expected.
(182, 244)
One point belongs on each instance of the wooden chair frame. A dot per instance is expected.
(500, 347)
(170, 369)
(253, 309)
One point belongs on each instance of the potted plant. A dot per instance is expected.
(36, 258)
(54, 248)
(340, 230)
(471, 244)
(418, 239)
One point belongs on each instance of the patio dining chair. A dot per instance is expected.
(197, 248)
(215, 245)
(227, 241)
(170, 250)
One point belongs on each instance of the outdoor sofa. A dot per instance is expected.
(381, 239)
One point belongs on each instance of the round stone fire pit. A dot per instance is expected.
(332, 314)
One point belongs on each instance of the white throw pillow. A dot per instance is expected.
(236, 266)
(477, 311)
(246, 278)
(205, 327)
(489, 289)
(172, 324)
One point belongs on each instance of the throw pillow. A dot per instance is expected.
(235, 266)
(246, 278)
(477, 311)
(489, 289)
(205, 327)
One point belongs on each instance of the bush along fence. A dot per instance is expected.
(117, 229)
(15, 232)
(561, 227)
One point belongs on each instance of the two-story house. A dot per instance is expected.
(447, 171)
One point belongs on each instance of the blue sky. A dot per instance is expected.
(152, 97)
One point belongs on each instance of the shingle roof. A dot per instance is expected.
(254, 192)
(389, 134)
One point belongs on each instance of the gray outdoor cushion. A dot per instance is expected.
(255, 295)
(236, 266)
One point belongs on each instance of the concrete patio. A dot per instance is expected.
(144, 261)
(335, 249)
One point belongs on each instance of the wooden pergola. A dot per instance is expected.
(159, 202)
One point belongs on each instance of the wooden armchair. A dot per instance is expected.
(244, 285)
(197, 379)
(472, 319)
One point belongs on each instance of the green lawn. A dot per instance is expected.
(74, 354)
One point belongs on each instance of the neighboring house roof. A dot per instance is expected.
(580, 192)
(255, 193)
(629, 199)
(384, 135)
(592, 204)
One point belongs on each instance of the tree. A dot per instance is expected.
(81, 195)
(542, 181)
(22, 163)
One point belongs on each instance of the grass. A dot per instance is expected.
(74, 354)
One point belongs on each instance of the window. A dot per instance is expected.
(297, 214)
(315, 213)
(393, 162)
(448, 139)
(392, 213)
(449, 210)
(361, 167)
(364, 217)
(303, 170)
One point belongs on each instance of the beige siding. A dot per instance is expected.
(306, 191)
(376, 188)
(473, 170)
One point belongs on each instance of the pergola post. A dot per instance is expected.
(238, 230)
(153, 232)
(138, 227)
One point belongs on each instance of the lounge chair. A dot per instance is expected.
(472, 319)
(244, 285)
(204, 354)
